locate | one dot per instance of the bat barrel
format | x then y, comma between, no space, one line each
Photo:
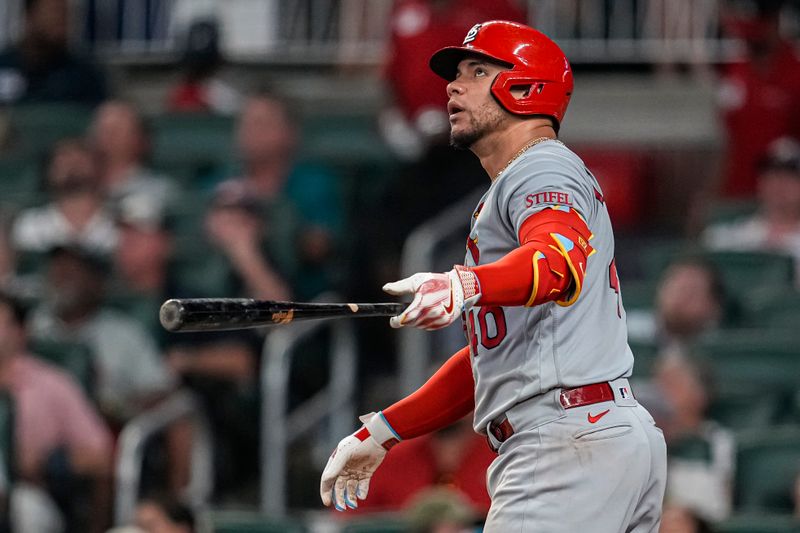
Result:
216,314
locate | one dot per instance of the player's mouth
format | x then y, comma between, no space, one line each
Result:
453,109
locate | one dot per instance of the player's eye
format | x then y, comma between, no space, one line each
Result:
479,71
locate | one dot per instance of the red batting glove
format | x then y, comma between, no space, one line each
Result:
438,300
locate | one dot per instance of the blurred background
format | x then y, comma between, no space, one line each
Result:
297,149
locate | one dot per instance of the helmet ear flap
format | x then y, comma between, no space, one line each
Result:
538,94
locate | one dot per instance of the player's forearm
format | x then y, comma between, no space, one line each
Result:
513,279
549,265
445,398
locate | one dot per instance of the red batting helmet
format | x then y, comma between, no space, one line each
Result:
535,61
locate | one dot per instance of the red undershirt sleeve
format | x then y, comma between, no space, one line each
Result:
445,398
549,265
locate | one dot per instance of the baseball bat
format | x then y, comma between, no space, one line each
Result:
219,314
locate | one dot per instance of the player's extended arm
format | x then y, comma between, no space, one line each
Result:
445,398
549,265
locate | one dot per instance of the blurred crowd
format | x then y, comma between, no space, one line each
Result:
97,236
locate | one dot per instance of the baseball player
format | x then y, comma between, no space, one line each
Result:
547,358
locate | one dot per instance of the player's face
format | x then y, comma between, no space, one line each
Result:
473,111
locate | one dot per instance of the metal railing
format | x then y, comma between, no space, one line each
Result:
356,31
334,405
420,254
131,447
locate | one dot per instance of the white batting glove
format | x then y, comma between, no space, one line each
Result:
438,300
346,477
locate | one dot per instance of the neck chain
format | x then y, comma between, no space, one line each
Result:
522,150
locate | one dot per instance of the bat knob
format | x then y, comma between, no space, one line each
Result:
171,315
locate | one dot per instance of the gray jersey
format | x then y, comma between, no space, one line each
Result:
521,352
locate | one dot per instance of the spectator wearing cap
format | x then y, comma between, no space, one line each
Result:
130,372
59,437
201,89
131,375
217,366
776,224
76,213
41,68
120,138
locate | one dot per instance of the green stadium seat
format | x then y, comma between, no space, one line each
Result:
744,409
6,451
750,270
19,182
252,522
388,524
742,272
36,127
752,358
723,211
639,294
7,433
345,139
758,523
644,357
193,142
776,308
75,358
767,464
656,256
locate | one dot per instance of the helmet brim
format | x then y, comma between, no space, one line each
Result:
444,62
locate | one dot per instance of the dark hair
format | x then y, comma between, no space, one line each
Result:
18,310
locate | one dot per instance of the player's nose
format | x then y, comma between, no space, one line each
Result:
454,88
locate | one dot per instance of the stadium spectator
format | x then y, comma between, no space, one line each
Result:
130,372
690,302
776,224
302,202
454,457
700,452
60,439
219,367
164,515
40,67
120,138
200,89
259,252
76,213
759,96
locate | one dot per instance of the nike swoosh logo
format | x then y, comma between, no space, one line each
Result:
449,307
598,416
